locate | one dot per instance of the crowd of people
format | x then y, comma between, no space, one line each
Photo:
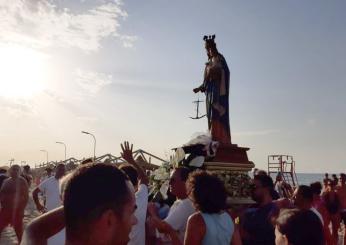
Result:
101,203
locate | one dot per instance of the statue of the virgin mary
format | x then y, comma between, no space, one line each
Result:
216,88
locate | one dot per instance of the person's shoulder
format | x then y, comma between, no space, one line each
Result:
21,179
142,194
313,214
341,188
142,188
47,181
196,219
3,177
186,203
51,178
7,181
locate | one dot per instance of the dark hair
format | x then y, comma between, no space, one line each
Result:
261,172
183,172
90,191
274,194
316,188
266,181
131,172
3,171
306,192
301,227
208,192
86,161
26,168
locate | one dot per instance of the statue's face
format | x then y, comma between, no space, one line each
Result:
211,52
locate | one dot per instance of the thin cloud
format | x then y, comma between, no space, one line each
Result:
17,107
92,82
128,41
40,24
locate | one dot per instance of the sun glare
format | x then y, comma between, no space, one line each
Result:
21,72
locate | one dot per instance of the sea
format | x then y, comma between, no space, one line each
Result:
305,178
308,178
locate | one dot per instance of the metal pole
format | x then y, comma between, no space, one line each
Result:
84,132
62,143
46,154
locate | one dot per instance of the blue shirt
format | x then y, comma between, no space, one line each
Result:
219,229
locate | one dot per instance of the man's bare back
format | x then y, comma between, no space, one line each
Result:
14,193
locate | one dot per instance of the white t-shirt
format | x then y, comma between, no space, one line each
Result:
137,235
178,215
50,189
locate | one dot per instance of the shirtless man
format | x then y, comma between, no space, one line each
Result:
14,195
341,192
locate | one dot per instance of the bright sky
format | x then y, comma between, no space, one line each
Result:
125,70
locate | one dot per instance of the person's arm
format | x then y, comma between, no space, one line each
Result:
25,192
158,223
173,235
236,240
39,206
195,230
43,227
30,178
3,190
127,155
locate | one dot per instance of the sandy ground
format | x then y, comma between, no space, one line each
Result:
8,237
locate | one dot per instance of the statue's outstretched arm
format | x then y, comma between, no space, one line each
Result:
199,89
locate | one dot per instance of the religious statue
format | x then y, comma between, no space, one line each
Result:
216,88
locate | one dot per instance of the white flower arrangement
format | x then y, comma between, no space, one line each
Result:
159,180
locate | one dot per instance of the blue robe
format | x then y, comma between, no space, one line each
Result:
216,88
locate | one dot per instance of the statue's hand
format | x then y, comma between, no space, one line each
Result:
196,90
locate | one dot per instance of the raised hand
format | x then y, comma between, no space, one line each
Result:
127,152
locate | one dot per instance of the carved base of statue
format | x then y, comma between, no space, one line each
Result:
229,161
231,153
232,165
